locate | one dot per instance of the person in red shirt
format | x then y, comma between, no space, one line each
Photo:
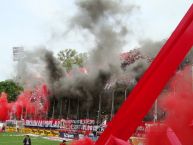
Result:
63,142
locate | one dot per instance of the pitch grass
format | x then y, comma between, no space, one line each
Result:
17,139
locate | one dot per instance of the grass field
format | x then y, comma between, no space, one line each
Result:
17,139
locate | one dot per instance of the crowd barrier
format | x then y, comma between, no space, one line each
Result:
36,131
56,133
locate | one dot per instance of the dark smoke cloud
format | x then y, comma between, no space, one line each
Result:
92,12
37,67
55,72
102,20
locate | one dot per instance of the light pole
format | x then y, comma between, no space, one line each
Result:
53,109
99,109
155,111
78,108
61,104
126,93
68,113
112,104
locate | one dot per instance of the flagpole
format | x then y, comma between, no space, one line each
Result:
99,111
112,105
155,111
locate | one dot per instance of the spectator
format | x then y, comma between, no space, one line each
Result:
27,140
63,142
3,128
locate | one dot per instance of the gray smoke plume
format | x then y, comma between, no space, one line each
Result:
138,60
30,69
55,72
151,48
102,20
37,67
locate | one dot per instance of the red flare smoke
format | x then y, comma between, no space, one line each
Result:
4,107
32,104
178,103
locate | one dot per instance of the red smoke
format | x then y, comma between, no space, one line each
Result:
4,107
178,104
29,104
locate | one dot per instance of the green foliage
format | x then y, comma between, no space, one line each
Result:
11,88
70,57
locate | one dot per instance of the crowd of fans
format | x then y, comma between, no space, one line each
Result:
132,56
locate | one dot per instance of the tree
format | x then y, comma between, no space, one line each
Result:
11,88
70,57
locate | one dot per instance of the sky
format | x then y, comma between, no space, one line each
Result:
33,23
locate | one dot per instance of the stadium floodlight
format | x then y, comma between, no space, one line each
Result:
18,53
